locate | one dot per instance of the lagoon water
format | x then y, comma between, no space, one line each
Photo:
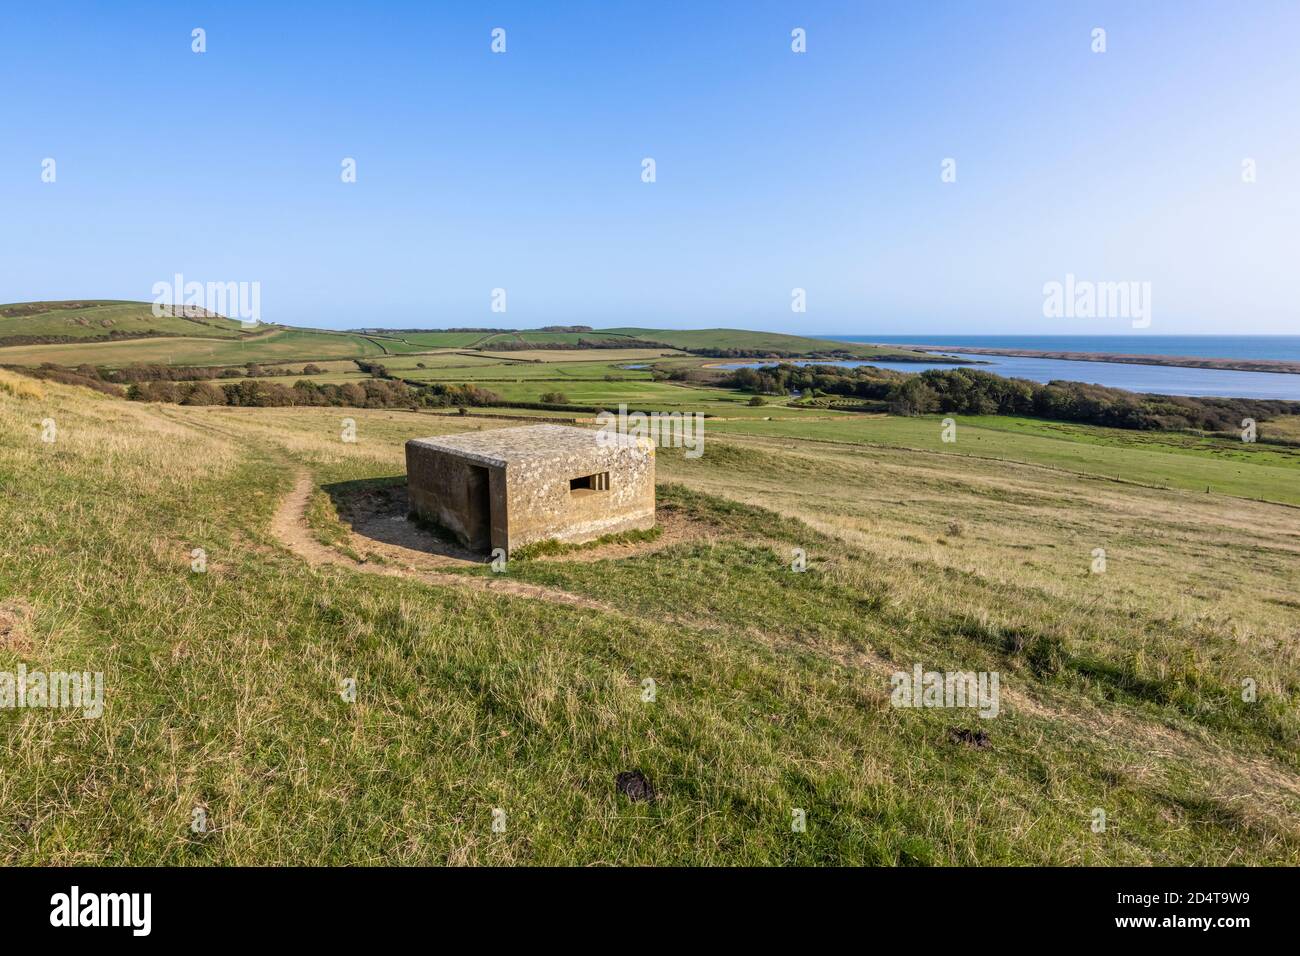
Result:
1279,347
1161,379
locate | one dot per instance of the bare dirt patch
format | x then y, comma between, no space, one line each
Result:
377,520
15,619
290,527
376,517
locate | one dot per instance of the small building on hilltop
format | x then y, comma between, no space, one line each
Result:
508,487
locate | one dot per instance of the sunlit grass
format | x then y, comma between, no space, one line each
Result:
1121,690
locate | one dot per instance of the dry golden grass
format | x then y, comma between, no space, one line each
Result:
19,386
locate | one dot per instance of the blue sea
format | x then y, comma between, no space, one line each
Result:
1161,379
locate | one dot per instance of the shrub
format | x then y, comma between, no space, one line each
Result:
204,393
913,397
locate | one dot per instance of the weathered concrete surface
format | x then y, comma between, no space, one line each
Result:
508,487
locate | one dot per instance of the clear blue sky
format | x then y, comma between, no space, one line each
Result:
775,170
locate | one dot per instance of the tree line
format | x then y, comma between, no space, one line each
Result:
369,393
142,372
969,391
191,386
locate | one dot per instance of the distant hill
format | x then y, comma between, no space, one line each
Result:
109,332
698,340
777,343
32,323
112,332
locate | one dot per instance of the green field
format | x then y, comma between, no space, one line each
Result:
543,339
522,691
1119,690
276,345
563,356
440,340
101,317
1194,464
444,358
742,339
218,341
461,368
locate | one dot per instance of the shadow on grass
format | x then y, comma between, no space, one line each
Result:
379,510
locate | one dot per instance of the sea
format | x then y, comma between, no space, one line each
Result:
1161,379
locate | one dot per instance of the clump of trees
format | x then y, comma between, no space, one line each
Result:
555,398
975,392
862,382
115,335
142,372
970,391
191,386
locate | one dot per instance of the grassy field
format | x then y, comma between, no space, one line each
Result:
583,355
603,384
1120,690
440,340
444,358
98,317
1286,427
275,345
1153,458
218,341
448,365
553,338
743,339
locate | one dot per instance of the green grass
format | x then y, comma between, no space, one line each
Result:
542,339
177,341
436,364
1121,690
588,392
405,343
552,547
1162,459
274,345
92,318
743,339
771,686
599,384
277,343
459,368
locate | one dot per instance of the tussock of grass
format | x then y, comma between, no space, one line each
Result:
552,548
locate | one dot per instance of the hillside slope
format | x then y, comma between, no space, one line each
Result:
101,319
1121,690
110,333
114,333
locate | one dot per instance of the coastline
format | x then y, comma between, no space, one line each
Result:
1179,361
